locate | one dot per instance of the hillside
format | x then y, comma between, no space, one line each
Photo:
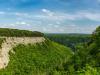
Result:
7,43
24,55
69,40
86,59
28,55
6,32
45,58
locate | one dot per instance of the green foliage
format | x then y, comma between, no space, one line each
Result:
69,40
50,58
1,41
96,38
96,35
19,33
94,47
85,60
46,58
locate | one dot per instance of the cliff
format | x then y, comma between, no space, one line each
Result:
10,42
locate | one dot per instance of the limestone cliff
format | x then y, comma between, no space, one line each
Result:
11,42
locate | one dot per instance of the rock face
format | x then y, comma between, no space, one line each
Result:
11,42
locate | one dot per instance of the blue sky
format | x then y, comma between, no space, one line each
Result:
51,16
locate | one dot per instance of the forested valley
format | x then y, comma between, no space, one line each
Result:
59,54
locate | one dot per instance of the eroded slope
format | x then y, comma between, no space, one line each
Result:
11,42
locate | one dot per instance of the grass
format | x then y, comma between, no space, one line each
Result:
46,58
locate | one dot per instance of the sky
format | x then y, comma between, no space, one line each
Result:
51,16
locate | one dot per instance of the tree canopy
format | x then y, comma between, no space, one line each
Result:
19,33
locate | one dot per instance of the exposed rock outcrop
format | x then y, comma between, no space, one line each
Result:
11,42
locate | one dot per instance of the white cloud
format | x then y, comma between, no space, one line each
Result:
94,16
50,24
55,21
56,16
23,23
89,15
50,15
47,12
56,26
73,25
13,25
72,28
1,12
58,23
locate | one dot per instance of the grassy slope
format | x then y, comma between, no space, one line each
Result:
41,59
